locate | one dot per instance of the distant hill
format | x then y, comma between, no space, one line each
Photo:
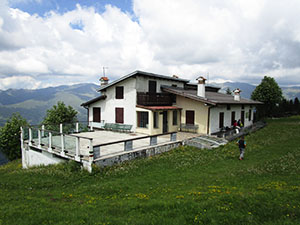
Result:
247,89
33,104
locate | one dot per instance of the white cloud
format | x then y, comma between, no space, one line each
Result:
25,82
234,40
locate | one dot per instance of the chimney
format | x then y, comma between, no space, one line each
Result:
201,87
237,96
104,81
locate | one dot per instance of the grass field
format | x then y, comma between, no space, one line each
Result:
184,186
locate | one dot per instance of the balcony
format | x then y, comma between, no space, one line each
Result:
154,99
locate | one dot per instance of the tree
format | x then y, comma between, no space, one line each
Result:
10,136
296,105
228,91
270,94
58,114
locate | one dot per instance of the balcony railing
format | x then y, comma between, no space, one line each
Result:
154,99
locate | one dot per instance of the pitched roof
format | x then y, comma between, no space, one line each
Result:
212,98
142,73
93,100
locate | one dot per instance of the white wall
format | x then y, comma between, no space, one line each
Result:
33,158
142,83
110,103
215,111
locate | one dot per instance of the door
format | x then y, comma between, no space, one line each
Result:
221,120
119,115
243,117
190,117
165,121
96,114
232,118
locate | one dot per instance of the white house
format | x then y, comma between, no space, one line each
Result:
155,104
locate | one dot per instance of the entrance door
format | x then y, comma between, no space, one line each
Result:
221,120
243,117
165,121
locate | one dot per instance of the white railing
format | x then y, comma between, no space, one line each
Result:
65,145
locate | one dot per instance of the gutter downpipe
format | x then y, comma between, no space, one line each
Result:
208,119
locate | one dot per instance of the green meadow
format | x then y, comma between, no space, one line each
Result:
184,186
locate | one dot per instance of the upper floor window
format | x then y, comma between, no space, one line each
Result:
228,107
119,92
152,87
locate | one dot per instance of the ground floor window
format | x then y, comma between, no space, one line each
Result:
96,114
155,119
143,119
174,117
190,117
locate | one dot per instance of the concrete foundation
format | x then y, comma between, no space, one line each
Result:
34,157
140,153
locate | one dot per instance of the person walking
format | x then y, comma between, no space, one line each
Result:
242,145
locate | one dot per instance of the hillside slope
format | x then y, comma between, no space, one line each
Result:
183,186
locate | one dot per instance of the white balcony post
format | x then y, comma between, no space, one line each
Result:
91,151
50,142
60,128
30,136
62,153
40,139
43,130
22,137
77,153
77,127
92,128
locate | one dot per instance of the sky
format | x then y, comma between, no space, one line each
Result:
57,42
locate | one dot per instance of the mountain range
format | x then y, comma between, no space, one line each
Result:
33,104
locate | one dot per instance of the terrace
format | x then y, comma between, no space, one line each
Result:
83,144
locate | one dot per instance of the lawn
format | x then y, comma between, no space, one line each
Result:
183,186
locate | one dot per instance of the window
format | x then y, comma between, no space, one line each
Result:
250,114
190,117
152,87
142,119
155,119
228,107
175,117
119,92
232,117
221,120
119,116
173,97
243,106
96,115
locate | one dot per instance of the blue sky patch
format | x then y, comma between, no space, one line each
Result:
63,6
77,25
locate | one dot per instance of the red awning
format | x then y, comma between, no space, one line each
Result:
158,107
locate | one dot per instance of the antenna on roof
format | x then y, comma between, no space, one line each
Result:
207,77
104,68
